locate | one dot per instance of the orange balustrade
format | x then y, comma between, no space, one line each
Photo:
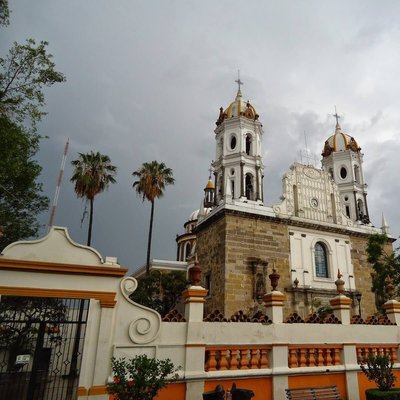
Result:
220,358
314,356
365,350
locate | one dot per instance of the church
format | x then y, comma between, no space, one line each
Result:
319,230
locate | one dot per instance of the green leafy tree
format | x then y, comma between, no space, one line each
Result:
4,13
23,73
160,291
21,198
140,378
386,266
152,179
93,173
378,368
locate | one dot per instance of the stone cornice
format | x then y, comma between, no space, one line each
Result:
282,221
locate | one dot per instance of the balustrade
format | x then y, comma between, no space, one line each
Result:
220,358
314,356
364,351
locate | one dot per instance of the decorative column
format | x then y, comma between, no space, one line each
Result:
194,298
241,179
341,304
258,182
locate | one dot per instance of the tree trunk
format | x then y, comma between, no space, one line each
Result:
149,239
89,239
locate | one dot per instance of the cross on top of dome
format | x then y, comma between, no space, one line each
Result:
239,82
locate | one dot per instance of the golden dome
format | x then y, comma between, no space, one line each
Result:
210,184
339,141
237,108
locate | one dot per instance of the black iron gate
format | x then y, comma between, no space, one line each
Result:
41,345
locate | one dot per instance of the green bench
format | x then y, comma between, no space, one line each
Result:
313,393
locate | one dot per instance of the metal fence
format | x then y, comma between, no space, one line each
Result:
41,345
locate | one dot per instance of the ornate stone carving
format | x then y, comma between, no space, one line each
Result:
311,172
145,327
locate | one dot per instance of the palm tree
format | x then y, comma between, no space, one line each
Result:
152,179
92,175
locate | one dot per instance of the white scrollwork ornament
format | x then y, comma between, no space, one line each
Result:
145,327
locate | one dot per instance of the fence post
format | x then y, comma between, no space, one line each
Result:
392,308
341,308
274,306
194,298
279,354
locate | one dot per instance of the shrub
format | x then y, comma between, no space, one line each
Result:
379,370
376,394
140,378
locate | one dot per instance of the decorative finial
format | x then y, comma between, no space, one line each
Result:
195,273
239,82
339,283
274,277
337,116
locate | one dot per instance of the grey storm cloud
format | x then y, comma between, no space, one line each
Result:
145,80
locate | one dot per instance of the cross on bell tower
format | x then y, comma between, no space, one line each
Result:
239,82
337,116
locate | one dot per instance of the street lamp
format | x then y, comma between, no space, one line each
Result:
358,297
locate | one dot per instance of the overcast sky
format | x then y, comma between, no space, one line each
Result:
145,80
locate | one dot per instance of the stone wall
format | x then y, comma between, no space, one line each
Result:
211,253
246,243
237,248
362,274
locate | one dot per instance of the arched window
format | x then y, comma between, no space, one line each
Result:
181,252
188,249
360,206
233,142
321,261
248,145
249,187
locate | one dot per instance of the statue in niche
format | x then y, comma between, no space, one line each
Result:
260,286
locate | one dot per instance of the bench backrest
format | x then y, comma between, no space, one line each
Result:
313,393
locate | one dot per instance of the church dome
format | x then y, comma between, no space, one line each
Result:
339,141
238,107
194,216
210,184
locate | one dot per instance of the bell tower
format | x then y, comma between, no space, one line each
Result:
238,167
343,159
